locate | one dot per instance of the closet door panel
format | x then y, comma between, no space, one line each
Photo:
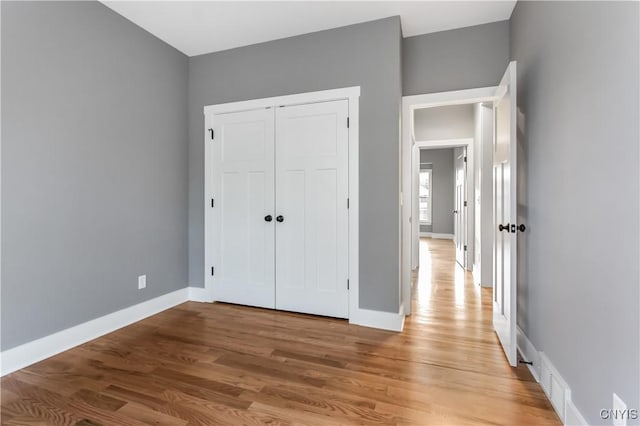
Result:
311,197
243,190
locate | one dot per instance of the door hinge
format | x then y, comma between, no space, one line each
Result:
347,203
465,204
212,133
465,248
347,122
347,283
213,202
465,158
213,270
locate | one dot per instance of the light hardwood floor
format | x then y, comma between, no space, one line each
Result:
205,364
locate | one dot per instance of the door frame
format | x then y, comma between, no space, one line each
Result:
409,105
352,95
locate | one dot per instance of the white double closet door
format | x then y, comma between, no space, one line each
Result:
280,209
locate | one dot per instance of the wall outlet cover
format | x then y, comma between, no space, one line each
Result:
142,282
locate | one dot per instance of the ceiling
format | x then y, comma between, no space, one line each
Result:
197,27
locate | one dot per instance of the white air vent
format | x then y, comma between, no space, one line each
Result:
554,386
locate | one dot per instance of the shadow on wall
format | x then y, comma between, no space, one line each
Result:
523,215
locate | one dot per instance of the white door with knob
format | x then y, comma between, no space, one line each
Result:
242,203
311,208
460,208
280,222
505,215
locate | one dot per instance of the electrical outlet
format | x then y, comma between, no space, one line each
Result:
620,412
142,282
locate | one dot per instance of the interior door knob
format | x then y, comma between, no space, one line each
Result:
268,218
502,227
455,212
280,218
522,228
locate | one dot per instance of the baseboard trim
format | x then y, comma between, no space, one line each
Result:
554,386
437,236
528,353
37,350
573,416
378,319
40,349
199,294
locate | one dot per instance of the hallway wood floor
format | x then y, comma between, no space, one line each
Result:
206,364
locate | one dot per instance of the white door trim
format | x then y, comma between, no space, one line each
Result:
352,94
295,99
409,104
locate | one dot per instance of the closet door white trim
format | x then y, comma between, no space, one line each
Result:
312,188
242,201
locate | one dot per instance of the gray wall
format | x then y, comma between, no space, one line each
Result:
457,59
365,55
94,166
447,122
443,189
578,287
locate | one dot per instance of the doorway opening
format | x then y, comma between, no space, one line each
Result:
495,142
444,143
429,122
447,196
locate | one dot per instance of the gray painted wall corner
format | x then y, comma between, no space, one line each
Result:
102,198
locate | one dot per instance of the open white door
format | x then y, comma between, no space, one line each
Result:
505,215
460,206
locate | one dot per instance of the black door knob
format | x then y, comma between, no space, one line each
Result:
522,228
268,218
280,218
502,227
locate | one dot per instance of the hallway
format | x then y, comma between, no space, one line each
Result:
215,363
452,317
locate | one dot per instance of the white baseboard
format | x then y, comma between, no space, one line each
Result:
437,236
37,350
29,353
378,319
528,353
572,416
554,386
199,294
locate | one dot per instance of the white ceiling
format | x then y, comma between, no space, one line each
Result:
197,27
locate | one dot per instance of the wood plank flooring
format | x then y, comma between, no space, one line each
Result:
219,364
